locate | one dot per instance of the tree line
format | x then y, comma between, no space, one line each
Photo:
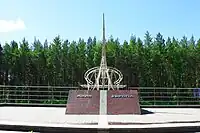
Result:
156,62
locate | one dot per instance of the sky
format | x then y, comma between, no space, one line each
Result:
72,19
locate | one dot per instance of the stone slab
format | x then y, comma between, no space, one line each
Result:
123,102
83,102
94,102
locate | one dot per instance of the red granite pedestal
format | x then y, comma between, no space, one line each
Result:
123,102
88,102
83,102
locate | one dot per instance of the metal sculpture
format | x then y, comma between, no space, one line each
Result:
103,77
104,102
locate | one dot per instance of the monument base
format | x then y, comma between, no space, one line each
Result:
123,102
83,102
88,102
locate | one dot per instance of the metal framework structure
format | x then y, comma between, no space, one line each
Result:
103,77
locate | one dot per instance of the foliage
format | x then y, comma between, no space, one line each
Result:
155,61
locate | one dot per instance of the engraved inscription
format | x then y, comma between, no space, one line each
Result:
122,96
84,96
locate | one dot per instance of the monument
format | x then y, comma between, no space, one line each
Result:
103,94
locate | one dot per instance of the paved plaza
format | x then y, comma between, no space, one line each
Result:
56,116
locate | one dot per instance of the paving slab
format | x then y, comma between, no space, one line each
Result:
159,116
43,115
55,117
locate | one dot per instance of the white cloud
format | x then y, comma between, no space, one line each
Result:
11,25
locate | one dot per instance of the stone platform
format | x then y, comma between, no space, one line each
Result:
111,102
54,119
83,102
123,102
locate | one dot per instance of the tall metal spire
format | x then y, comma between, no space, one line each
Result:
103,71
104,39
103,76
